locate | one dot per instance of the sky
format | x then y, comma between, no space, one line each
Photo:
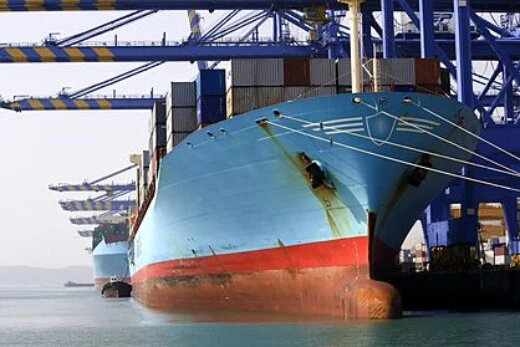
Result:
42,148
49,147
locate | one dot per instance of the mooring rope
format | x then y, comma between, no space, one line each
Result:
413,149
400,161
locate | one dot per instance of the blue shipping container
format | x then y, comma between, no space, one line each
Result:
211,109
404,88
514,247
211,82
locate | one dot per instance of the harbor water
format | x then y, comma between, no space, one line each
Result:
80,317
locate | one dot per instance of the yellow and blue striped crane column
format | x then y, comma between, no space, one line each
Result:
196,33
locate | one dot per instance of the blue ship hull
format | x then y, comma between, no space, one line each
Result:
110,260
242,187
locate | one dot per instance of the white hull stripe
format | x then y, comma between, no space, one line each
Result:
414,119
341,126
410,130
415,126
344,131
317,124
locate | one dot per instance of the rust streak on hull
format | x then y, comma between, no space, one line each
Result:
338,291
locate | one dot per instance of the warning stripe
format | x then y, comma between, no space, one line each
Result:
16,54
103,54
70,5
34,5
74,54
104,104
58,104
35,104
45,54
105,5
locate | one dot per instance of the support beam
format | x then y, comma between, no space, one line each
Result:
156,51
490,82
511,218
132,5
387,12
508,98
500,96
440,52
463,52
366,18
426,29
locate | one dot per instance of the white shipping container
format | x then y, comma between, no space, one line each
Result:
489,257
502,260
295,93
344,72
145,159
143,180
255,72
181,94
395,71
142,194
244,99
345,75
174,139
181,119
150,176
323,72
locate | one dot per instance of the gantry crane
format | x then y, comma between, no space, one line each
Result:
490,41
115,212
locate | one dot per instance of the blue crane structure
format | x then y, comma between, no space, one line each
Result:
475,38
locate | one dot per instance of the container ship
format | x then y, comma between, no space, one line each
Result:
110,253
292,194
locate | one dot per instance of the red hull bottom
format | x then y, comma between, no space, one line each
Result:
336,291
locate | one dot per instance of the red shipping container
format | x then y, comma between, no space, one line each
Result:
297,72
501,250
427,71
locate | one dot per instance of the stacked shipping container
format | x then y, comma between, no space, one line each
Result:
142,177
256,83
157,141
211,97
253,83
181,113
